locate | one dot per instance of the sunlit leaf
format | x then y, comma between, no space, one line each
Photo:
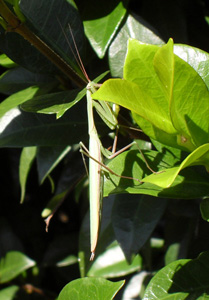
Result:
166,177
112,263
182,279
92,288
100,30
13,264
8,293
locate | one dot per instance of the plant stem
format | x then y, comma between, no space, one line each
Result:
15,25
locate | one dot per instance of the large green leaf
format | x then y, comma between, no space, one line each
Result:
134,217
101,21
182,279
90,288
189,184
13,264
160,92
8,293
197,58
134,27
22,129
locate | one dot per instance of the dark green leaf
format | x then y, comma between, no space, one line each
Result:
90,288
54,103
204,208
22,129
48,158
19,78
134,217
42,17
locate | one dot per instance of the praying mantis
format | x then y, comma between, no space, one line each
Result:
96,150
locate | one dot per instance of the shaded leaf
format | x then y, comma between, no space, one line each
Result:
204,208
54,103
53,204
19,78
27,157
42,17
22,129
92,288
134,218
48,158
13,264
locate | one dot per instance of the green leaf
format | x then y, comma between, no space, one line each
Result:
6,62
9,292
148,74
16,99
54,103
13,264
58,102
90,288
189,184
48,158
42,17
204,208
134,27
166,177
197,58
22,129
112,263
27,157
19,78
178,280
134,217
53,204
101,21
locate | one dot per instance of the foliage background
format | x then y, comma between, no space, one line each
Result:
21,226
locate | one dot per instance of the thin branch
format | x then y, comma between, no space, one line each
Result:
15,25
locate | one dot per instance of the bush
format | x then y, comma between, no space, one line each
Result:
149,237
